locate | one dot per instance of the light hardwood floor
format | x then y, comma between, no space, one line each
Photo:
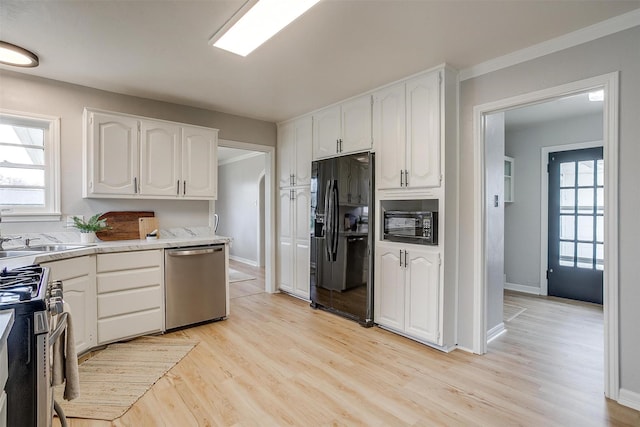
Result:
276,362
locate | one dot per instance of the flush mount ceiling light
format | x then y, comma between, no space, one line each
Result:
11,54
256,22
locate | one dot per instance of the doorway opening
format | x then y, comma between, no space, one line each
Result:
246,211
483,296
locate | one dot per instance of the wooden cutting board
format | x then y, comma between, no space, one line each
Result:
147,225
124,225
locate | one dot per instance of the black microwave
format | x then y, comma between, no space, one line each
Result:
411,227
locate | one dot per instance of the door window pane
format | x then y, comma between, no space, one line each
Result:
566,254
600,228
567,201
585,200
568,174
585,227
600,171
567,225
600,200
599,256
585,255
586,173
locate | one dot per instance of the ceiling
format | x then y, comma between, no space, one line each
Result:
159,49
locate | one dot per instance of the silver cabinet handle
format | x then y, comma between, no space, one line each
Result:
337,145
401,178
406,253
177,187
406,178
135,185
400,257
341,145
184,187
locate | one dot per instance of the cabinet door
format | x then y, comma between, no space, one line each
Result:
159,159
286,154
302,215
304,143
114,154
388,296
285,241
389,135
199,163
356,125
423,131
79,284
326,132
422,299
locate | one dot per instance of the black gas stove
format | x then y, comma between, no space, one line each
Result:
23,284
37,304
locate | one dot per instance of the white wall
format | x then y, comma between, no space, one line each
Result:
22,92
617,52
238,205
522,217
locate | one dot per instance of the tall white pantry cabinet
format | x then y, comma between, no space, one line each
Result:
415,138
294,206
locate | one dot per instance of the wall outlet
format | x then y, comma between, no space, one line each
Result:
70,219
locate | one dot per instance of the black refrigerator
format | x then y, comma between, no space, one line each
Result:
342,208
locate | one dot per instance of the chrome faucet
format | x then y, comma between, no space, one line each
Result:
6,239
27,241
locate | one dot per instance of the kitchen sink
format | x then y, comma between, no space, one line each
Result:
10,253
57,247
29,250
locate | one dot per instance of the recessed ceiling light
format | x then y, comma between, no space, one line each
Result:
598,95
257,22
11,54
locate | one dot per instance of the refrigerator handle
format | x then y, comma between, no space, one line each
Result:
335,226
328,214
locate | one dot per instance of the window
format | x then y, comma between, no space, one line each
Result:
29,167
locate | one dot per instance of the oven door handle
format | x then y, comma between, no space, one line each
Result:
61,326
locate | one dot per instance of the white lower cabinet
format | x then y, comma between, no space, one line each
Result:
408,291
294,241
129,294
79,291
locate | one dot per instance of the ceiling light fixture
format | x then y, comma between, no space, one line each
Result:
11,54
598,95
256,22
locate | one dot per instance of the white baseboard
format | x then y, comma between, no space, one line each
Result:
244,260
522,288
495,332
629,398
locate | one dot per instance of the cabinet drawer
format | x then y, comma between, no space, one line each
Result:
129,325
123,280
69,268
130,301
128,260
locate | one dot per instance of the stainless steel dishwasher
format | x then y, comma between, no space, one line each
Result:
195,285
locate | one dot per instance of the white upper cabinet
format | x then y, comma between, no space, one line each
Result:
199,162
423,131
111,151
294,152
389,135
342,129
160,168
406,129
128,156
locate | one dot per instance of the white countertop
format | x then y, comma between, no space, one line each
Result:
112,246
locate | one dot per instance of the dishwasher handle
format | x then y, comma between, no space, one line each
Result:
189,252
